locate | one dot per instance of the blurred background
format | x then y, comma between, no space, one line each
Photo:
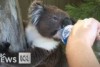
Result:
78,9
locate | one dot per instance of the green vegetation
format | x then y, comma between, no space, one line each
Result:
88,8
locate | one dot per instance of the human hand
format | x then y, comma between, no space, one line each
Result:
85,31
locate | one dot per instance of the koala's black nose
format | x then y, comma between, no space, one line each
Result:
65,22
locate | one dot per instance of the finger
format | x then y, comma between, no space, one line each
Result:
87,22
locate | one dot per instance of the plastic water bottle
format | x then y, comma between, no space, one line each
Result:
65,33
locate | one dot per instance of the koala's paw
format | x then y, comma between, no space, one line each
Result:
4,46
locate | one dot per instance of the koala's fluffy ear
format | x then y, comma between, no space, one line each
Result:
35,11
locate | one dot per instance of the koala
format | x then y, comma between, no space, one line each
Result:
43,25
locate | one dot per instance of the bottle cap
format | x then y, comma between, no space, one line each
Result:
65,33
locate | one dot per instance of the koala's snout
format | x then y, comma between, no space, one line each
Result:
65,23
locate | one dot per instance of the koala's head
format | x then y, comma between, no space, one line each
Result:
47,19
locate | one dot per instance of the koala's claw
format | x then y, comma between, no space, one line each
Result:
4,46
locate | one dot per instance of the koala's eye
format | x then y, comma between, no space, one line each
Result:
66,22
55,18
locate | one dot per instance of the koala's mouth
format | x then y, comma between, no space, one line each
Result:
54,32
62,33
57,35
